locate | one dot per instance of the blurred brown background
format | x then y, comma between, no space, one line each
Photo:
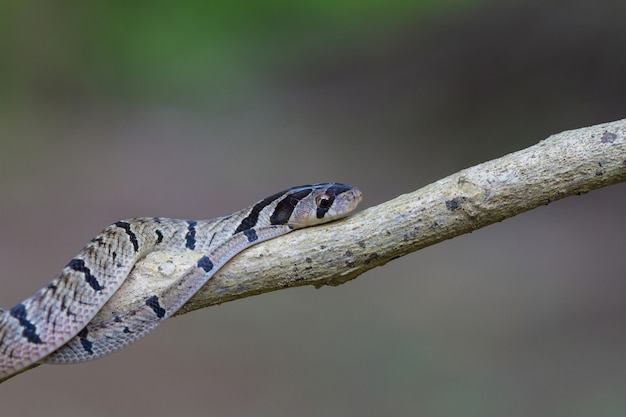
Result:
112,110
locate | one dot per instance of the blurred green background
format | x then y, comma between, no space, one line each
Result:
112,110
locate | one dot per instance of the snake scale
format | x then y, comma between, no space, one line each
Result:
53,325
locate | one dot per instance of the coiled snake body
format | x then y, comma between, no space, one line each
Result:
53,325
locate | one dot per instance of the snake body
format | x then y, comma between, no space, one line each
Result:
53,325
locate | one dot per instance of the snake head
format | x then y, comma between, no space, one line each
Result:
319,203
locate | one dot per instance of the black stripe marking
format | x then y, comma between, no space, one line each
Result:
86,344
190,238
68,312
332,192
285,207
205,263
159,237
251,235
253,217
153,303
30,330
78,265
130,233
49,315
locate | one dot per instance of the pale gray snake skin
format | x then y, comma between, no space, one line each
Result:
53,325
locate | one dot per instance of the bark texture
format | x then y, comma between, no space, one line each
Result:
565,164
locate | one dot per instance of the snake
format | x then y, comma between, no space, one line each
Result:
54,326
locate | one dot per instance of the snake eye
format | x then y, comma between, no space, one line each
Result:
324,201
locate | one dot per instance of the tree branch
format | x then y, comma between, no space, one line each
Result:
565,164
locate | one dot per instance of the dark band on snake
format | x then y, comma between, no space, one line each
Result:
132,236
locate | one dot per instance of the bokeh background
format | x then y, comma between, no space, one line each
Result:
117,109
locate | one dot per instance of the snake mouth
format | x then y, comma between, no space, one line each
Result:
357,196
